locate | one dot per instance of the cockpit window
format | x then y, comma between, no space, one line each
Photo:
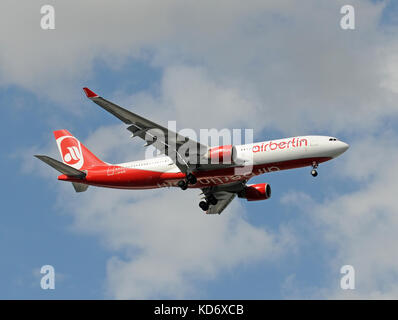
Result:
332,139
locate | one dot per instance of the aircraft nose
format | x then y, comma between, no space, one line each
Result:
343,147
339,147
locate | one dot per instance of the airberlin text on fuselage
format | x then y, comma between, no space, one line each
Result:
270,146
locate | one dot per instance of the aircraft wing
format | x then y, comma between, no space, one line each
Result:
224,199
166,141
224,195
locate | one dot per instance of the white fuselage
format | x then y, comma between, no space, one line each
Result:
261,153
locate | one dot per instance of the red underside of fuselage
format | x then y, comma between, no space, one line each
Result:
128,178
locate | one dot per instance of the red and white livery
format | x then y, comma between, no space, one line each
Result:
220,172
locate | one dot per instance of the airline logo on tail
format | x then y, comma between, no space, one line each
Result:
71,151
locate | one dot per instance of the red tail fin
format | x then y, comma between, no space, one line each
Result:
74,153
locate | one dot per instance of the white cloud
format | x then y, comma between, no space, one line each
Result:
113,145
360,225
109,32
191,97
182,245
287,66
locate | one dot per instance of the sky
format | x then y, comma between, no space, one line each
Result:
280,67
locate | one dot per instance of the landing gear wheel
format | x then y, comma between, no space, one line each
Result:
204,205
212,200
191,178
182,184
314,173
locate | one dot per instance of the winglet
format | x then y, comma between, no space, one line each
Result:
90,94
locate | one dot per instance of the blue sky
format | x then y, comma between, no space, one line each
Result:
283,68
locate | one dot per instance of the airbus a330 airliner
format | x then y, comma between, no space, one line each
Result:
212,169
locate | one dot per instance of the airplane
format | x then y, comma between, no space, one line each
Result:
212,169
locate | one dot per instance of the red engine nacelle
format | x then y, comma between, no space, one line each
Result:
255,192
222,154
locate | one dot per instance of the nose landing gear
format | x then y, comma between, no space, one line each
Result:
314,173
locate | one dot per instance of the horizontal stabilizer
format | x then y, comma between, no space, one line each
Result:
62,167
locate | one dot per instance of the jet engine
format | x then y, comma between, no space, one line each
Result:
255,192
222,155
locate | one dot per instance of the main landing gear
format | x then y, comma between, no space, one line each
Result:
191,179
314,173
204,205
210,200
